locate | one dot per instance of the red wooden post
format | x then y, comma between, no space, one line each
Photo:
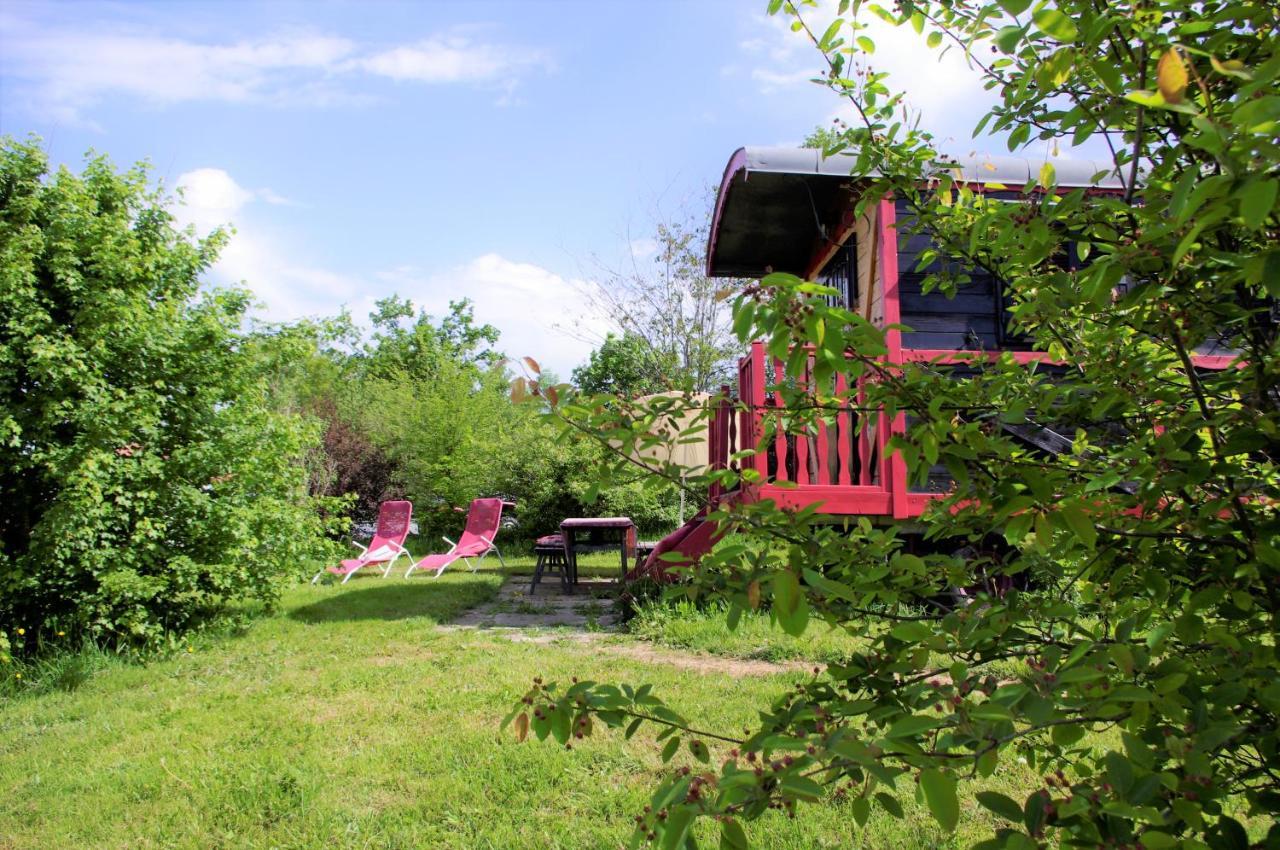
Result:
715,448
844,439
753,426
896,479
780,435
804,390
866,439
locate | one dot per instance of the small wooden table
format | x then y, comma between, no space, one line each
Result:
596,530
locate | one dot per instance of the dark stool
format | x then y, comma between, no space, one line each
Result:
644,549
550,552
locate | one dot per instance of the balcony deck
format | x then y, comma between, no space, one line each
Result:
833,458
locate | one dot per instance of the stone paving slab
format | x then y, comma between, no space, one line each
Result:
591,606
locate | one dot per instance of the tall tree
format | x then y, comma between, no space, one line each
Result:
426,345
666,300
626,365
1138,668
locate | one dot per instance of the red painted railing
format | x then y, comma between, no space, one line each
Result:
832,453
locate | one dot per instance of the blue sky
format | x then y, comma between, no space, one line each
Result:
498,151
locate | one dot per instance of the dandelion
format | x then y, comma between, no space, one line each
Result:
17,675
22,631
189,649
62,634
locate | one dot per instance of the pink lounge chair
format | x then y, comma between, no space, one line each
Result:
483,521
386,546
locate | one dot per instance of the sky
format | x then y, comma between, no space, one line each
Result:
498,151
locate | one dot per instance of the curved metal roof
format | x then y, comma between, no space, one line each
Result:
773,203
979,168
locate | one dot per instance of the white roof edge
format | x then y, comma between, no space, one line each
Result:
1013,171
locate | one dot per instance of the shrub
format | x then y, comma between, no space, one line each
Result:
147,481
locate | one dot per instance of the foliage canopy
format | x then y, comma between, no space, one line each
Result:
146,477
1145,560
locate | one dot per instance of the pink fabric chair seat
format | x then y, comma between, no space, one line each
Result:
484,519
387,544
436,563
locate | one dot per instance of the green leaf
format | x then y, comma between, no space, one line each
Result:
1005,807
1155,100
676,827
912,725
1048,176
561,723
1067,734
934,39
790,605
801,786
1019,136
668,751
1080,524
1008,37
889,804
1257,201
1055,24
828,37
940,796
699,751
828,587
732,835
867,45
1033,812
990,711
911,631
1014,7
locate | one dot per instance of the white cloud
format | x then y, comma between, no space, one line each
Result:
63,71
450,59
771,81
643,248
288,289
539,313
940,86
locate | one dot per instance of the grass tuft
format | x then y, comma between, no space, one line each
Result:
704,628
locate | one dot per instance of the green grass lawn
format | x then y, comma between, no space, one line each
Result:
683,625
351,719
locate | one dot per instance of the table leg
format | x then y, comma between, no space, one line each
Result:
623,580
570,557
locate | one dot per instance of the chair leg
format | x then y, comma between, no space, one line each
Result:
348,576
498,552
537,574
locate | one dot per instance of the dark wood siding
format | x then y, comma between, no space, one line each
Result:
973,318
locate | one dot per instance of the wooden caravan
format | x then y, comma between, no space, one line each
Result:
792,210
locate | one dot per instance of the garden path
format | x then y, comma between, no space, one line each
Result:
590,616
590,609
